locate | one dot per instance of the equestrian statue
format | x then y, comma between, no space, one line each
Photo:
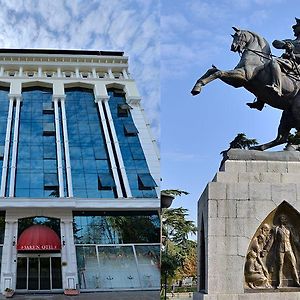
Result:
273,80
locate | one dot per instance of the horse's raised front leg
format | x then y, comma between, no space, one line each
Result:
199,83
283,132
234,77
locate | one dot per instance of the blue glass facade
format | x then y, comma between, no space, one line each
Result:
88,154
131,149
4,104
36,174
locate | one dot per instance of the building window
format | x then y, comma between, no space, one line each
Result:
50,181
1,152
132,152
36,146
48,108
130,130
91,169
48,129
146,182
49,152
123,110
117,250
105,181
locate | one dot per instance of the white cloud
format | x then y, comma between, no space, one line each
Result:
131,26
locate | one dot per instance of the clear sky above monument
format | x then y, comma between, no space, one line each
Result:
195,35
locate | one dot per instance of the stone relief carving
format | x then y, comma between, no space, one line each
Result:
272,259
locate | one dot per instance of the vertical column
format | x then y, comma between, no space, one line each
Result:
94,72
77,72
109,147
7,145
21,71
1,71
8,271
66,147
15,147
125,75
40,74
58,72
117,147
58,148
110,74
69,254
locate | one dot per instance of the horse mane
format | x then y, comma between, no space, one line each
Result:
262,42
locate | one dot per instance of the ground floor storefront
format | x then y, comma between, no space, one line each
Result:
53,250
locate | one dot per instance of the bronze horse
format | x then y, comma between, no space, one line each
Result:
253,73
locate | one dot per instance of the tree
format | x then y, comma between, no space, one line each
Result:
240,142
177,247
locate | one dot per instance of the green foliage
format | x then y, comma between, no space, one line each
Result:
294,138
177,246
175,225
241,142
148,229
174,193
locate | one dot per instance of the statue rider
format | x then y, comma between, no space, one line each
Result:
288,63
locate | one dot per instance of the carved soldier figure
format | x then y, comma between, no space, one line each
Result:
283,242
289,61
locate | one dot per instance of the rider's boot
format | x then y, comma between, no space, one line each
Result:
256,105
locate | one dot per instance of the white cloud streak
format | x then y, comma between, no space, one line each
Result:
131,26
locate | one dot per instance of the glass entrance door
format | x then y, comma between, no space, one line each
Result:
39,272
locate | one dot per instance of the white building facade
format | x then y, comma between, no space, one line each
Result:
79,206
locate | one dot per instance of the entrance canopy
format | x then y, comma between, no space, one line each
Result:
38,238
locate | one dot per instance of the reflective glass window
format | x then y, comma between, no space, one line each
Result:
4,104
131,149
91,170
37,147
125,267
116,227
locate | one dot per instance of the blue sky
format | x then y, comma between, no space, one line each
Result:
195,35
170,44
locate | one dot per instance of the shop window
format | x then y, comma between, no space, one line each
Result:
50,181
48,108
123,110
130,130
48,129
105,182
146,182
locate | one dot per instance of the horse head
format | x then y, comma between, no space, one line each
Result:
240,40
244,39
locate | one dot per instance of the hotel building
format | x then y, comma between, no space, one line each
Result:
79,206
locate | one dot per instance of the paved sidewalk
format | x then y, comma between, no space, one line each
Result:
134,295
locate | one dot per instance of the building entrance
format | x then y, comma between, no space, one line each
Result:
39,272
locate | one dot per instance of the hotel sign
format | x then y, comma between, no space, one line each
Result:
38,247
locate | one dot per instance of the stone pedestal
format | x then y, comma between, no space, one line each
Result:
249,189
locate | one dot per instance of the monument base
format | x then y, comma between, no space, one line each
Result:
276,295
252,190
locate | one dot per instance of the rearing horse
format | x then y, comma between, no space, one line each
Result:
254,74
